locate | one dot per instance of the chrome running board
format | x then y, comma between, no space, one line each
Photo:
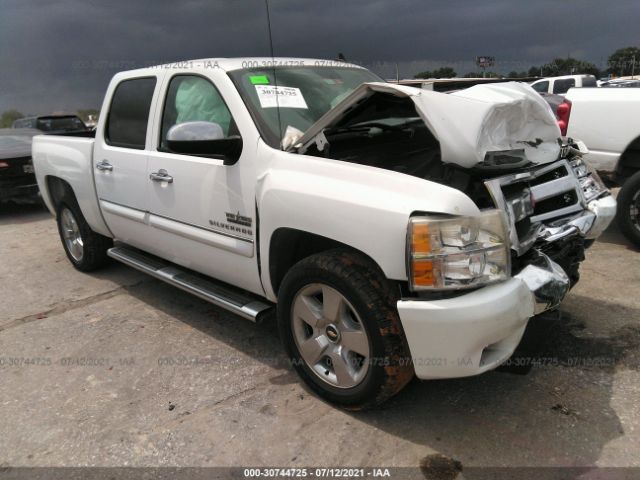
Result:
236,301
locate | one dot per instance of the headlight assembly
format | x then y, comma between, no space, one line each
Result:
458,252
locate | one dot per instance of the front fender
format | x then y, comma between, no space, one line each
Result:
364,207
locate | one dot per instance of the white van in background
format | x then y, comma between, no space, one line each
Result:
561,85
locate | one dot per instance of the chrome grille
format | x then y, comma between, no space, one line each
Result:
530,199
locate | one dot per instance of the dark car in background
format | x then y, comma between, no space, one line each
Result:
53,124
17,179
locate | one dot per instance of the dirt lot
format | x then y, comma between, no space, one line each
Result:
115,368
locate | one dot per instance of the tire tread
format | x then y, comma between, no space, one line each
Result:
625,197
380,298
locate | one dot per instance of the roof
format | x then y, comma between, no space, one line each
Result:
239,63
562,77
50,115
450,84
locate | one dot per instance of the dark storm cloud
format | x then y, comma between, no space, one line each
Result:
60,54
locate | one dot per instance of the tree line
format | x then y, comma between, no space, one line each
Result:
622,62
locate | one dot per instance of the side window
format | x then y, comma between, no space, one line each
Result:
541,87
563,86
192,98
129,113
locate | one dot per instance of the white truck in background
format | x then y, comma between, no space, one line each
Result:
396,231
607,120
561,85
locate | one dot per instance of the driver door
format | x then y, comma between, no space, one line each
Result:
202,212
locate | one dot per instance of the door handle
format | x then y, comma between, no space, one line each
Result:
161,176
104,166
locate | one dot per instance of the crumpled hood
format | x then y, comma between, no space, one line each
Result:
469,123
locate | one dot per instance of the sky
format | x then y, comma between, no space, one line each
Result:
59,55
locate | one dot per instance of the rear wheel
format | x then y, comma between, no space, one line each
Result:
339,325
86,249
628,213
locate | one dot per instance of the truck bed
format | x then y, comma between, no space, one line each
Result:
606,120
69,157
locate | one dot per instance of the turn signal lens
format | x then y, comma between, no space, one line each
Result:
420,240
423,273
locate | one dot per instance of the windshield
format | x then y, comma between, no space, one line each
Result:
304,95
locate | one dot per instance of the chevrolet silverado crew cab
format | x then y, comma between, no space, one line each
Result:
395,231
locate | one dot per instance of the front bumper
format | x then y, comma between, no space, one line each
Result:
477,331
472,333
589,223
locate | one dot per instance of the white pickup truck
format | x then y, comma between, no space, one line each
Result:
396,231
607,120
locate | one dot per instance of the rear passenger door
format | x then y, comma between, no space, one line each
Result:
120,159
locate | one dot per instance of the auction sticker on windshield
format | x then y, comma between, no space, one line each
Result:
285,97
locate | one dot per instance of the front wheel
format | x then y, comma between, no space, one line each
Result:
86,249
628,213
339,325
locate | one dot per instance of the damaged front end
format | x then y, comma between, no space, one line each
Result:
554,213
500,145
554,210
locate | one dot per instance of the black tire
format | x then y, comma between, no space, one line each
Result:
629,196
372,296
94,245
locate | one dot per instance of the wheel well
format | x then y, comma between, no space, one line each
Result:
629,161
288,246
58,189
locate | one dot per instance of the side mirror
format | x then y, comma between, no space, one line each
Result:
204,139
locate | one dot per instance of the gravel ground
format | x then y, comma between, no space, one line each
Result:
117,369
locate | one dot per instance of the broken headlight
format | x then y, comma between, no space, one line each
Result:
458,252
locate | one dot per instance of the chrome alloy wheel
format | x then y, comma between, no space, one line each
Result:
71,234
330,336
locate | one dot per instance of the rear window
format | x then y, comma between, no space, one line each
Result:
23,123
60,124
563,86
589,82
541,86
129,113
